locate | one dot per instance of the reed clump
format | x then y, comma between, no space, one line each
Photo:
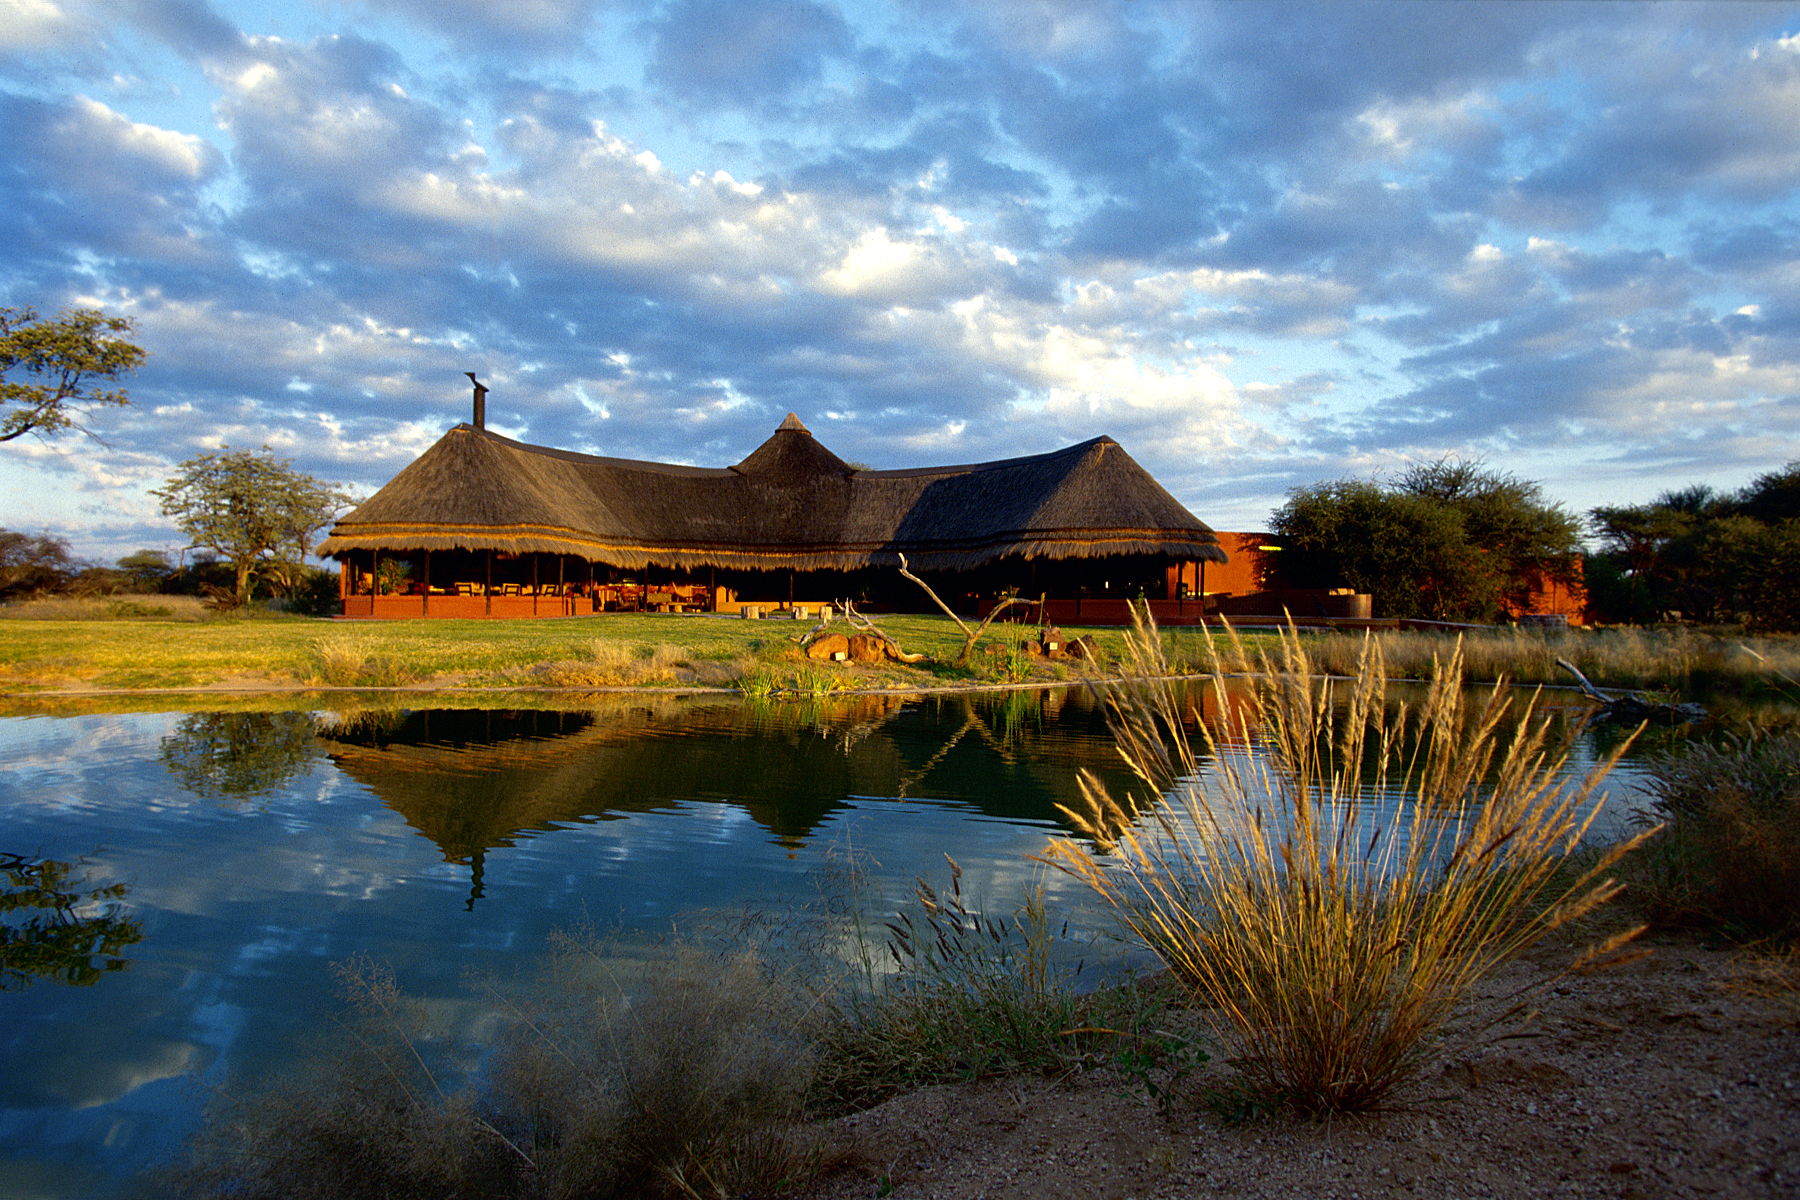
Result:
1332,942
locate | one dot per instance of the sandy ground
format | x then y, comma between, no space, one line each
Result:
1676,1075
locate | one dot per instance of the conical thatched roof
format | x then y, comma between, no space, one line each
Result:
791,503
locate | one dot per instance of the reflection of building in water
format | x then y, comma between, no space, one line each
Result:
473,781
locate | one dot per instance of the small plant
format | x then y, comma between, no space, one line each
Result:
346,662
678,1076
1728,853
1331,946
971,995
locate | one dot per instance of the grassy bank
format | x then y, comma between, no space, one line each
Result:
136,652
1327,974
156,642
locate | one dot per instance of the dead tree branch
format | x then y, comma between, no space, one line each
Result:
970,637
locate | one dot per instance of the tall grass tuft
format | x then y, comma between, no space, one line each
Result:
678,1076
687,1082
1728,854
974,994
1333,943
347,662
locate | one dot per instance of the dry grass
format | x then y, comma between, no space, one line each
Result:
106,608
1691,662
1728,853
972,994
679,1076
1333,944
346,660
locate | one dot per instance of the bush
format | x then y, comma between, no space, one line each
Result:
315,595
683,1073
1728,853
973,995
346,662
1331,944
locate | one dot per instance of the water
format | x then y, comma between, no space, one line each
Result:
257,849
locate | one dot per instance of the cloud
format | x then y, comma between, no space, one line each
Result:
743,55
537,27
1252,242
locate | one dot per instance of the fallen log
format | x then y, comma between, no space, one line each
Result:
1631,709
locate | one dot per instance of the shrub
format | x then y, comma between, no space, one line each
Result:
315,594
1332,944
366,1117
1728,854
974,995
682,1074
346,662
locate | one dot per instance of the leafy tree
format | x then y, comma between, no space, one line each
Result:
1447,541
1696,554
62,359
1524,539
32,564
254,510
1773,497
147,569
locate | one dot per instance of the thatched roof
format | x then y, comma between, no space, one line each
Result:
791,503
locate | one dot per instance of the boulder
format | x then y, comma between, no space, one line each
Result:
867,649
828,645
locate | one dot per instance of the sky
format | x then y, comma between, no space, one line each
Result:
1261,245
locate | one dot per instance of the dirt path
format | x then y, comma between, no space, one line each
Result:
1664,1077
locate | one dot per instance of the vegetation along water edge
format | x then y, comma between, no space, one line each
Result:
1314,965
126,643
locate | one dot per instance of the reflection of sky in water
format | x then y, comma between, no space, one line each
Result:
367,842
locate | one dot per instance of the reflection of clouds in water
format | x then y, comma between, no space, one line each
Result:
77,1066
715,810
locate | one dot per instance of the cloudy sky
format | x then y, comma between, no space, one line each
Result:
1262,245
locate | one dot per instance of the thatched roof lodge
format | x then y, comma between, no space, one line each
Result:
480,522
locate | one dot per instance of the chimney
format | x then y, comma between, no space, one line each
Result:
480,421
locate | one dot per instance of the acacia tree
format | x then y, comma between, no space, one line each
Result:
31,563
252,509
1447,541
1695,554
61,359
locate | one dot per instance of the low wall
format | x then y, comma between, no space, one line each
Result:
1306,608
447,607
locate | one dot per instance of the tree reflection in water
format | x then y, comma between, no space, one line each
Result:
53,926
233,756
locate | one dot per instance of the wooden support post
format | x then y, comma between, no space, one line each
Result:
487,589
425,588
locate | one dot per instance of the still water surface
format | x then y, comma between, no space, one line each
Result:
259,848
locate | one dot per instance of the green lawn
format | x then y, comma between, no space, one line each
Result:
147,653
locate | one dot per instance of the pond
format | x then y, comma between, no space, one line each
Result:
222,862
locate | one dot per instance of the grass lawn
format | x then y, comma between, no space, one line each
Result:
82,646
602,650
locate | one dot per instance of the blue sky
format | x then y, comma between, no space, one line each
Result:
1262,245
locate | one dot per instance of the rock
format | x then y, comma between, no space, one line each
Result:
827,645
867,649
